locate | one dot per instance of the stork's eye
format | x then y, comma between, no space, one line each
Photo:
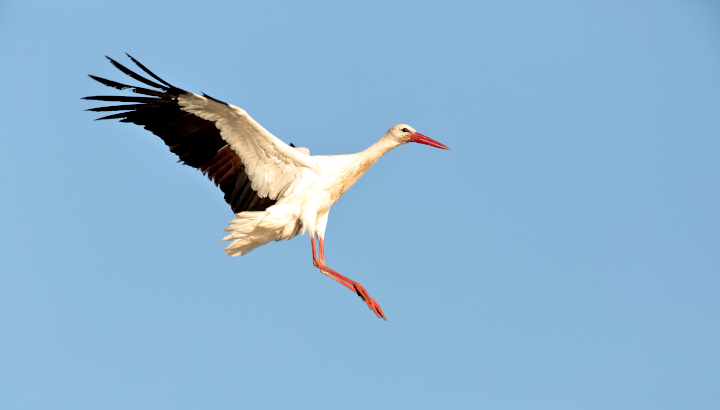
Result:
405,130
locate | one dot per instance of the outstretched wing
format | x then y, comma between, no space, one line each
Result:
252,167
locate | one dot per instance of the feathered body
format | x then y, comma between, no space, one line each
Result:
308,207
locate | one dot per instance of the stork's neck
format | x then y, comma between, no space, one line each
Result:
377,150
359,163
364,160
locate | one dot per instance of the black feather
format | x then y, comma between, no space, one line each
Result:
142,67
123,98
136,76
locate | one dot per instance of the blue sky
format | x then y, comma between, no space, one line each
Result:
565,254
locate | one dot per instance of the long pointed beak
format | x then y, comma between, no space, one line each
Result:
417,137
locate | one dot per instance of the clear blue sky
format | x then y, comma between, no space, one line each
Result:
565,254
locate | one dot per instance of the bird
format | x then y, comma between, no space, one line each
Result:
276,190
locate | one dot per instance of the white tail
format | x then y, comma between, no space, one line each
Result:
252,229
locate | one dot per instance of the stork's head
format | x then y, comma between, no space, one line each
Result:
404,133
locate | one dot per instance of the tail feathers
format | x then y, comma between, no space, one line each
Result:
252,229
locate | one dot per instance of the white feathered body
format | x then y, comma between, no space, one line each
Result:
308,205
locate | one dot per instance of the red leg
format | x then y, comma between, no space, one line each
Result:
322,248
348,283
320,263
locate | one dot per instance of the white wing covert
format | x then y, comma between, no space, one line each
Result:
274,168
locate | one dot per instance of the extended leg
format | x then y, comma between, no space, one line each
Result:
319,262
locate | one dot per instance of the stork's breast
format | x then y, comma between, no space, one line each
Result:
345,180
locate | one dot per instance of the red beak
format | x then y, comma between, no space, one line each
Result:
416,137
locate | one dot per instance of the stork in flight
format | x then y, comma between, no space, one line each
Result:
275,190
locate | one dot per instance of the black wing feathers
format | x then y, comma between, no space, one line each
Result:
195,141
138,77
150,73
119,86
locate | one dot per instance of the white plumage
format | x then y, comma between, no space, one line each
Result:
276,190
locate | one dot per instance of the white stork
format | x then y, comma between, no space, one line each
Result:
275,190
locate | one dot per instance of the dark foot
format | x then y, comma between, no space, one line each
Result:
374,306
